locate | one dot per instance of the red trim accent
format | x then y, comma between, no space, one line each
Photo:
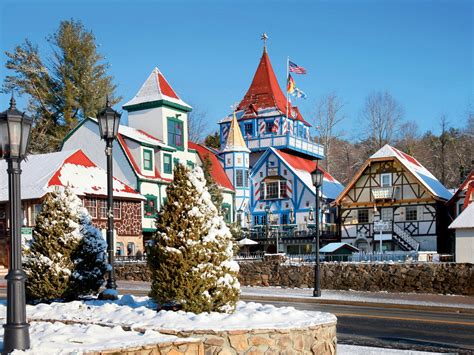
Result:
407,157
304,164
217,171
165,88
149,135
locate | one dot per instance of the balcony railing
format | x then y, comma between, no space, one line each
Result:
285,141
382,193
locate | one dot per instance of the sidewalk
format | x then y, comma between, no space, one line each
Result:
451,302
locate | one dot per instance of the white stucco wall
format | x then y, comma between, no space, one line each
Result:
465,245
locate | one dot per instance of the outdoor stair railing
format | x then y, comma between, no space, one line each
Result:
405,239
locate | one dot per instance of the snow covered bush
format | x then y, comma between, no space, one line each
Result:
65,257
190,256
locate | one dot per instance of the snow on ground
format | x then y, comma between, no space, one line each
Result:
139,313
58,338
450,301
365,350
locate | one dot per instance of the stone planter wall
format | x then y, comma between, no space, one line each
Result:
446,278
172,348
318,339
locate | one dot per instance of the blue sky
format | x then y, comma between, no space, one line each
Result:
420,51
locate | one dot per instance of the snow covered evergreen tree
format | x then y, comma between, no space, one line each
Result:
63,259
212,187
190,256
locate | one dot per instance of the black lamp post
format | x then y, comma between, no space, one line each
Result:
109,121
317,177
15,128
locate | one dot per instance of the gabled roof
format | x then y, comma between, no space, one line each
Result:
235,141
265,94
303,167
467,186
332,247
423,175
465,219
217,171
42,172
156,88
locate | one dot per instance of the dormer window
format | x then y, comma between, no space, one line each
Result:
147,155
248,129
175,133
268,127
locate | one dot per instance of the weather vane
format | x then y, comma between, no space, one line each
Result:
264,38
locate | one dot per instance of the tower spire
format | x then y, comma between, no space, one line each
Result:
264,38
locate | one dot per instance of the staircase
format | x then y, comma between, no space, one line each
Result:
404,239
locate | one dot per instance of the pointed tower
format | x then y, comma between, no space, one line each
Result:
159,111
236,165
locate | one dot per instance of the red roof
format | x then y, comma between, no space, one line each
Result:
304,164
217,171
166,88
468,186
265,92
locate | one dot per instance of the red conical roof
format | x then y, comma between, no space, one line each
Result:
265,92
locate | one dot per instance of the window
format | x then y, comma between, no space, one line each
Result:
283,189
175,162
268,126
91,206
262,191
167,166
102,209
248,129
190,164
256,220
119,249
411,213
150,206
227,212
247,179
239,178
148,159
271,190
35,210
363,216
175,133
387,214
117,210
385,180
284,218
130,248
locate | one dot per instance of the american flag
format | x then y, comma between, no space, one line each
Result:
295,68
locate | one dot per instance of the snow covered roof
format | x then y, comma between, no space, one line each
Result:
42,172
332,247
303,167
265,93
465,219
235,141
217,171
428,180
156,88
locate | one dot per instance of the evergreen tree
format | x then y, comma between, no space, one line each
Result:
213,140
63,86
190,255
212,187
66,257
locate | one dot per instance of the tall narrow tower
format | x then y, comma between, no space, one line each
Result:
236,165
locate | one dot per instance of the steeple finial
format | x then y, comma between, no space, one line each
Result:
264,38
12,102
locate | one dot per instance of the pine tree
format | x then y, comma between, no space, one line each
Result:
90,259
212,187
48,261
190,256
66,257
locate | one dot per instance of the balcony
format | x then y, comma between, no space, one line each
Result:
285,141
383,193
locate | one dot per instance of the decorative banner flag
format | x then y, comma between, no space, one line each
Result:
294,68
307,132
262,127
298,94
256,188
276,125
289,188
225,132
291,85
285,125
291,127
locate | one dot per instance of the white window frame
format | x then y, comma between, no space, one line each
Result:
389,179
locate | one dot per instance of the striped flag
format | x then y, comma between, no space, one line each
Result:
289,188
225,132
291,127
294,68
276,125
291,85
256,194
261,127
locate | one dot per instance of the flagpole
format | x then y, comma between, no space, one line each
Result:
287,79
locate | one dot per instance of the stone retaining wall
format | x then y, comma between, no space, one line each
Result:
445,278
171,348
318,339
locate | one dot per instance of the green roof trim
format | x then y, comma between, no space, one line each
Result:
155,104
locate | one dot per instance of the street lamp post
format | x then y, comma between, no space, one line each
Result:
109,121
15,128
317,177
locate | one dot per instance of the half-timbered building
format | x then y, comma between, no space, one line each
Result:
394,203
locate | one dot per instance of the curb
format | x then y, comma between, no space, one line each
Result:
434,308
